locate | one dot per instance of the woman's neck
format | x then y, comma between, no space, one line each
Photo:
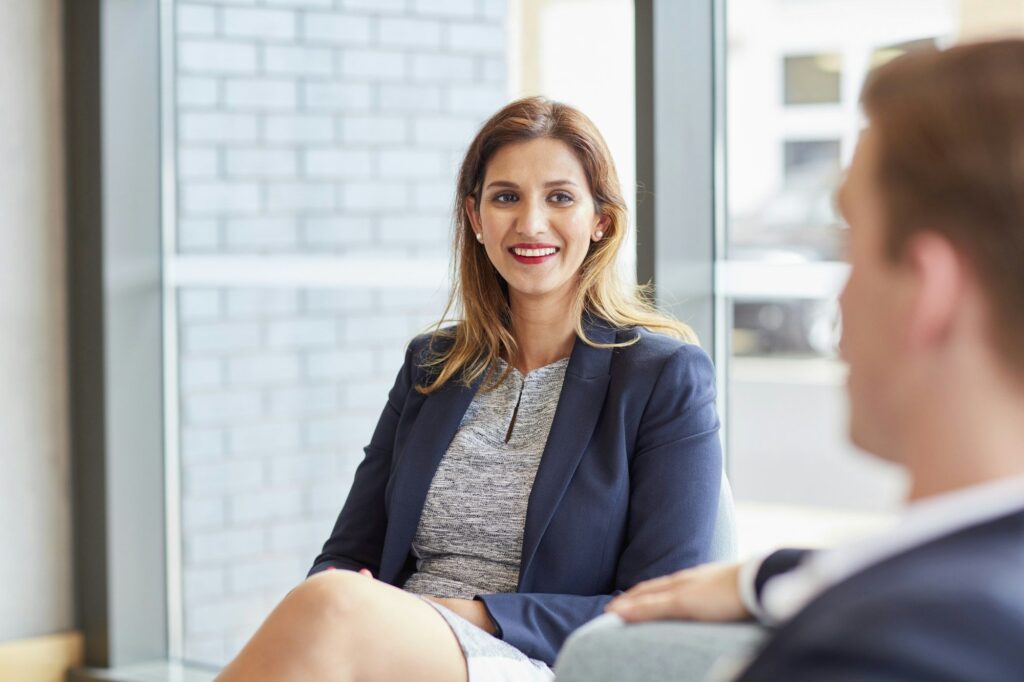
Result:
544,330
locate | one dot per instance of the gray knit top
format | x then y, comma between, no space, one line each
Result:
470,535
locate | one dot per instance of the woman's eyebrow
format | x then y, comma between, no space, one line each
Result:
502,183
512,185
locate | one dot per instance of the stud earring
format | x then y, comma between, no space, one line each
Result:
480,237
598,235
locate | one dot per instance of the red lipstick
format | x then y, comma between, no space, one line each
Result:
533,254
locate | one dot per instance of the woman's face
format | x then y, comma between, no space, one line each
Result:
536,217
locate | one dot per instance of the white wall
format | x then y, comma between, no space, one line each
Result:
35,490
307,128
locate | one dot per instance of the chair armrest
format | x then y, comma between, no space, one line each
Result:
607,650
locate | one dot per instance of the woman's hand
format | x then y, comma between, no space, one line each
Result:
470,609
710,593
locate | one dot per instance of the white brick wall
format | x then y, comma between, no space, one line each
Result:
338,163
442,68
410,33
304,126
288,60
197,91
337,28
335,97
259,23
301,196
217,127
260,162
298,128
261,234
196,20
446,8
260,94
268,437
382,65
215,57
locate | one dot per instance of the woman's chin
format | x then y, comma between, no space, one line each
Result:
533,290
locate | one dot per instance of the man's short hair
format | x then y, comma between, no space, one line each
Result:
950,124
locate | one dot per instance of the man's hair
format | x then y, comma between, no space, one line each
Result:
951,129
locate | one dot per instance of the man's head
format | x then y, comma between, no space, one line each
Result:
935,203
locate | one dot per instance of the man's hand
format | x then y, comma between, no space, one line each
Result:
470,609
710,593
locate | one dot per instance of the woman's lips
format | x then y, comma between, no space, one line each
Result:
533,254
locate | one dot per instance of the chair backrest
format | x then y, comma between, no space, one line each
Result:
723,544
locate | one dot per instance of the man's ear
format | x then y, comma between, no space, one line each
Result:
937,288
469,206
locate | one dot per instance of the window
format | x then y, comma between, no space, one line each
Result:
780,263
810,157
812,79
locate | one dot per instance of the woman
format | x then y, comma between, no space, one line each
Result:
555,447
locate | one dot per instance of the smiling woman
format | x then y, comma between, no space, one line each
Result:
553,447
537,176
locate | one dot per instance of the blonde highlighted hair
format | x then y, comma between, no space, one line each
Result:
483,330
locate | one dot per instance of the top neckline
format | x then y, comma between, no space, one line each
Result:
557,364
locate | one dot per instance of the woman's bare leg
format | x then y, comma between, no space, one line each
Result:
343,626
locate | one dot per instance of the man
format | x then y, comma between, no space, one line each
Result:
933,332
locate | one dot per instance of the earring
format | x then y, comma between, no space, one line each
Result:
480,237
598,235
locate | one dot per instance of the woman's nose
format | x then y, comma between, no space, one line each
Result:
533,220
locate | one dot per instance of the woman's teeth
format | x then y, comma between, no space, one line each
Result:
532,253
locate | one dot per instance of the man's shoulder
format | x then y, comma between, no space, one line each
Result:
955,604
974,565
978,558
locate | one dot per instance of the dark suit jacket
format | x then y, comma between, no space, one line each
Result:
626,489
952,609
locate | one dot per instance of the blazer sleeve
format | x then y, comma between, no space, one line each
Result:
675,478
916,634
778,562
357,540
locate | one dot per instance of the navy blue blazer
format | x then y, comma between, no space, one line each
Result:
626,489
952,609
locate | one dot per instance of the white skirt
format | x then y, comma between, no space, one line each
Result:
489,659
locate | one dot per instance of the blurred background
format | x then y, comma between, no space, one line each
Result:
305,154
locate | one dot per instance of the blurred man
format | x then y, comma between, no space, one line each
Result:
933,319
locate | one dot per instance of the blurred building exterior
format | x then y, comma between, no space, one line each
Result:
794,73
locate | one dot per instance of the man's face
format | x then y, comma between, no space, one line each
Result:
871,305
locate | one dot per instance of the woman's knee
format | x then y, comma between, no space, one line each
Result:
332,596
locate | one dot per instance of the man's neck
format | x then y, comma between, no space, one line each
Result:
964,437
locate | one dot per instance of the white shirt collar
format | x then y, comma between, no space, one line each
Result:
922,521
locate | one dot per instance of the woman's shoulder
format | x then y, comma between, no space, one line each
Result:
424,349
653,345
655,352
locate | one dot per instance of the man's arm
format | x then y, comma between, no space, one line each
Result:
712,592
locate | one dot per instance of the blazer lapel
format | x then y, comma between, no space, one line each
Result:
583,394
428,439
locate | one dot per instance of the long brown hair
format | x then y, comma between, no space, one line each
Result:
483,332
951,129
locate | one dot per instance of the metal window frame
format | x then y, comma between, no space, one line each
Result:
680,148
114,279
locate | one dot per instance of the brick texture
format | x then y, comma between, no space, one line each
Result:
326,127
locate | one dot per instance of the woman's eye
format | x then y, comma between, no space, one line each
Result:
504,198
561,197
